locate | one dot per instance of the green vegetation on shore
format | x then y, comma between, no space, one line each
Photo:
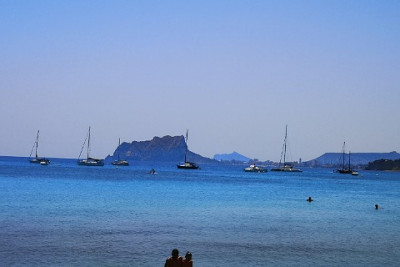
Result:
384,165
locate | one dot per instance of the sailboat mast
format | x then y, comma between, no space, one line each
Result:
187,137
88,144
344,144
349,159
37,142
284,154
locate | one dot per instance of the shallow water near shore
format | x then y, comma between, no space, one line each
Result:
68,215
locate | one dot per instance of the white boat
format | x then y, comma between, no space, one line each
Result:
89,161
254,168
285,167
37,159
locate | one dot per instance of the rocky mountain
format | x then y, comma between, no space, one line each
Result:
234,156
163,149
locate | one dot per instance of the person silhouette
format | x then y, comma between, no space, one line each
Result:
174,260
310,199
187,262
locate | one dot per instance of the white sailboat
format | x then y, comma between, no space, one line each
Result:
285,167
89,161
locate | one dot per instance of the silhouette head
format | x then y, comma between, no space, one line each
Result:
188,255
175,253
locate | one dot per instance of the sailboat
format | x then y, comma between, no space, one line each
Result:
36,159
187,164
120,162
286,167
89,161
345,170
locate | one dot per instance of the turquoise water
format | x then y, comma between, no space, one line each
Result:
68,215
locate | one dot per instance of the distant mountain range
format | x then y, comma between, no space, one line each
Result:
335,159
162,149
234,156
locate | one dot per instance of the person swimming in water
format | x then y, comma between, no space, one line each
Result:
309,199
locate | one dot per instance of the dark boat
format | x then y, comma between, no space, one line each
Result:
285,167
187,165
37,159
120,162
89,161
345,170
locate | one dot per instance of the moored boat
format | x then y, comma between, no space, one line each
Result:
89,161
344,169
37,159
285,167
120,162
187,164
254,168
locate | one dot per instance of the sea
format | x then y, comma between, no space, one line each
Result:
69,215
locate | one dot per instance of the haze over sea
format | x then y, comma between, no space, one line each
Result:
233,72
68,215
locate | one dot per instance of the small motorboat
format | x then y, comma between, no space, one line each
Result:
254,168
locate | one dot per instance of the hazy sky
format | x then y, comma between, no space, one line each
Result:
232,72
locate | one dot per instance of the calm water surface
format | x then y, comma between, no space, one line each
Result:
68,215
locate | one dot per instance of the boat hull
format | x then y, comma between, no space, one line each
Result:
286,169
91,162
347,171
42,161
188,166
257,171
120,163
344,171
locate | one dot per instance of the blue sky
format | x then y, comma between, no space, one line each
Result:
232,72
